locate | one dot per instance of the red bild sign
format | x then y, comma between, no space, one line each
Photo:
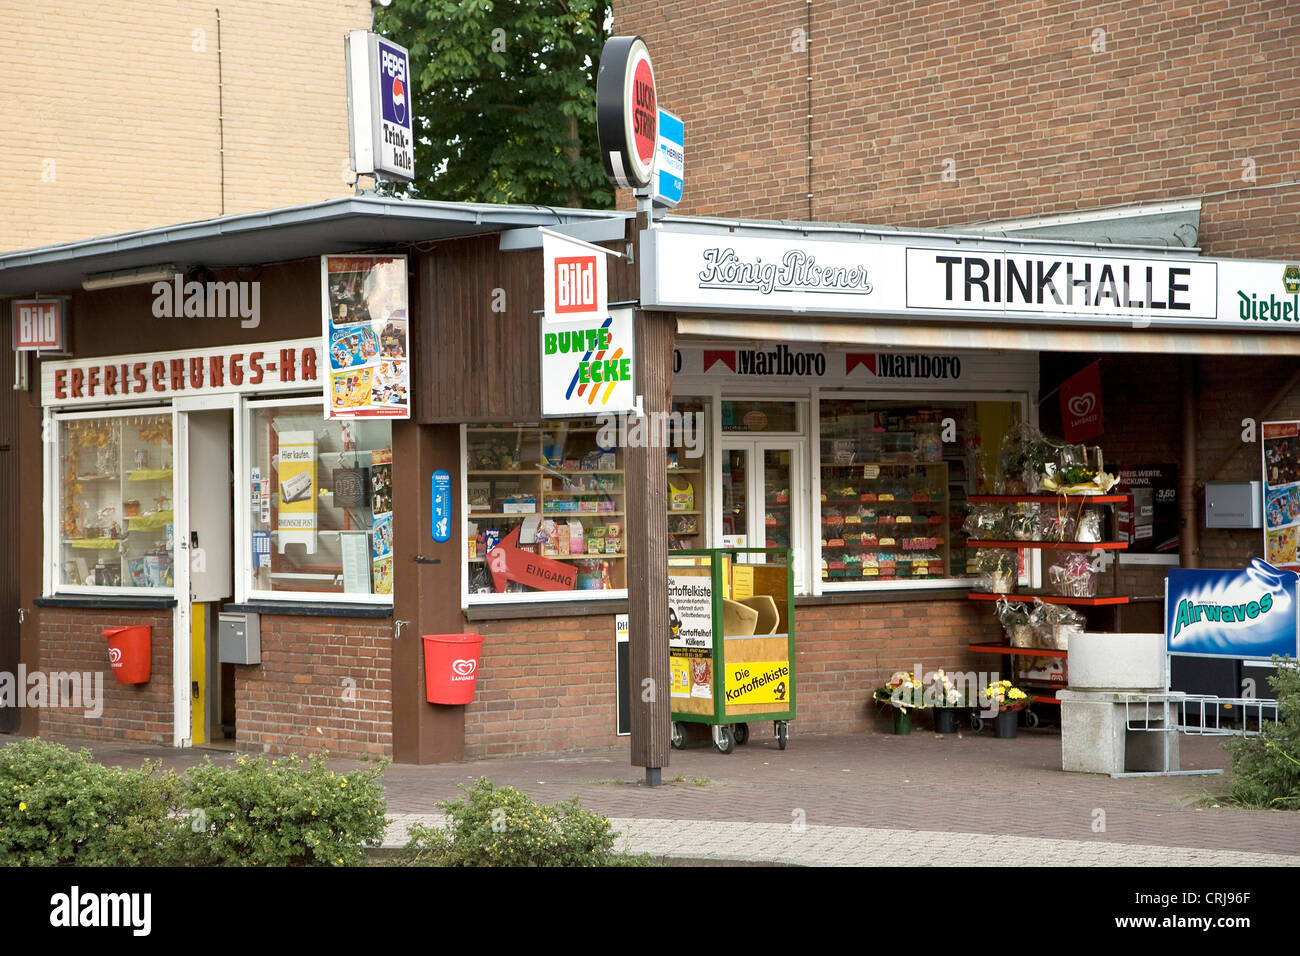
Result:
38,324
575,283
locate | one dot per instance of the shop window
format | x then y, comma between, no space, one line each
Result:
115,496
688,473
895,476
761,417
320,494
545,509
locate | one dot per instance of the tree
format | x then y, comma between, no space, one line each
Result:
505,98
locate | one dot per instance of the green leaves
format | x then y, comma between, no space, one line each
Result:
1266,767
505,98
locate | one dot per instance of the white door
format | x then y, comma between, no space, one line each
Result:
764,503
204,434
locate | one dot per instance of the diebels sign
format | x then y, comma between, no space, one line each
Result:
380,104
1248,614
627,112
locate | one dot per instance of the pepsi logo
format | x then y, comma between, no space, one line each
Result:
465,668
115,655
399,99
1082,405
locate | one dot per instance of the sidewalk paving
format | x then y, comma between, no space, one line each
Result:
865,799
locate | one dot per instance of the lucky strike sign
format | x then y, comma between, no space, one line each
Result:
270,366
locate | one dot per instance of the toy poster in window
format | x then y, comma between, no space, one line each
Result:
1281,454
364,306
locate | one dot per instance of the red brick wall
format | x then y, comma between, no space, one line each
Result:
548,685
323,684
544,685
71,640
1034,118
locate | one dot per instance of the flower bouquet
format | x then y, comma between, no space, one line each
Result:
904,694
1006,701
1015,619
946,698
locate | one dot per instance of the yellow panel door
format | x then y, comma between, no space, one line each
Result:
198,674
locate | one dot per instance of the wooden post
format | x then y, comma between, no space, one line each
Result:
647,549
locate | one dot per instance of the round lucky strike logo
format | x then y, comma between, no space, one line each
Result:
645,111
1081,406
464,669
115,655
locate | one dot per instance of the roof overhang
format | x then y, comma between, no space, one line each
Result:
280,235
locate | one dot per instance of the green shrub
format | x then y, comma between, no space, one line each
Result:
499,826
282,814
57,806
1266,768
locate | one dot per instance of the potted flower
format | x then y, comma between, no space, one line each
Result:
943,696
997,570
904,694
1006,700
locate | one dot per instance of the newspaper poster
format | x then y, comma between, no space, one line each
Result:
381,527
1281,451
366,324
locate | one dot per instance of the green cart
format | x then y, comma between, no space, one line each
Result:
731,642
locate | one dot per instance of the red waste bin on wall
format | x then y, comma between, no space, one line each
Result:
451,667
129,650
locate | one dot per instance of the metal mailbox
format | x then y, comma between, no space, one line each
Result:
240,638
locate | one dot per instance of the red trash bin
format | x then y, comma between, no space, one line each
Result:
451,667
129,652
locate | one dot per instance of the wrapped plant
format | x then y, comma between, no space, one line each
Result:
985,523
940,691
1072,576
1004,696
902,691
997,570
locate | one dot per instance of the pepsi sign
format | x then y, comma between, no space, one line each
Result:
380,106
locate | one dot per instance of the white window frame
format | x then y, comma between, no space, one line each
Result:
51,584
468,600
244,590
876,395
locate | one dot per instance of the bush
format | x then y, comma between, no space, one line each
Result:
1266,768
61,807
499,826
57,806
281,814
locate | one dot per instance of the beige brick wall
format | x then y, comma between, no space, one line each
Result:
110,112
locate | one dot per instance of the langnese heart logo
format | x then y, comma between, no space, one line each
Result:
1082,405
465,668
115,655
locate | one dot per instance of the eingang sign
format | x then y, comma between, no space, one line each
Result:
688,267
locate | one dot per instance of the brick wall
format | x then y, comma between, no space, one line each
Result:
323,684
545,685
111,111
1036,111
71,640
548,685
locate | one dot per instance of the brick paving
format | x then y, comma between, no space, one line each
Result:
860,798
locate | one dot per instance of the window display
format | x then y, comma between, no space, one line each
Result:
895,477
688,475
115,516
544,509
320,503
